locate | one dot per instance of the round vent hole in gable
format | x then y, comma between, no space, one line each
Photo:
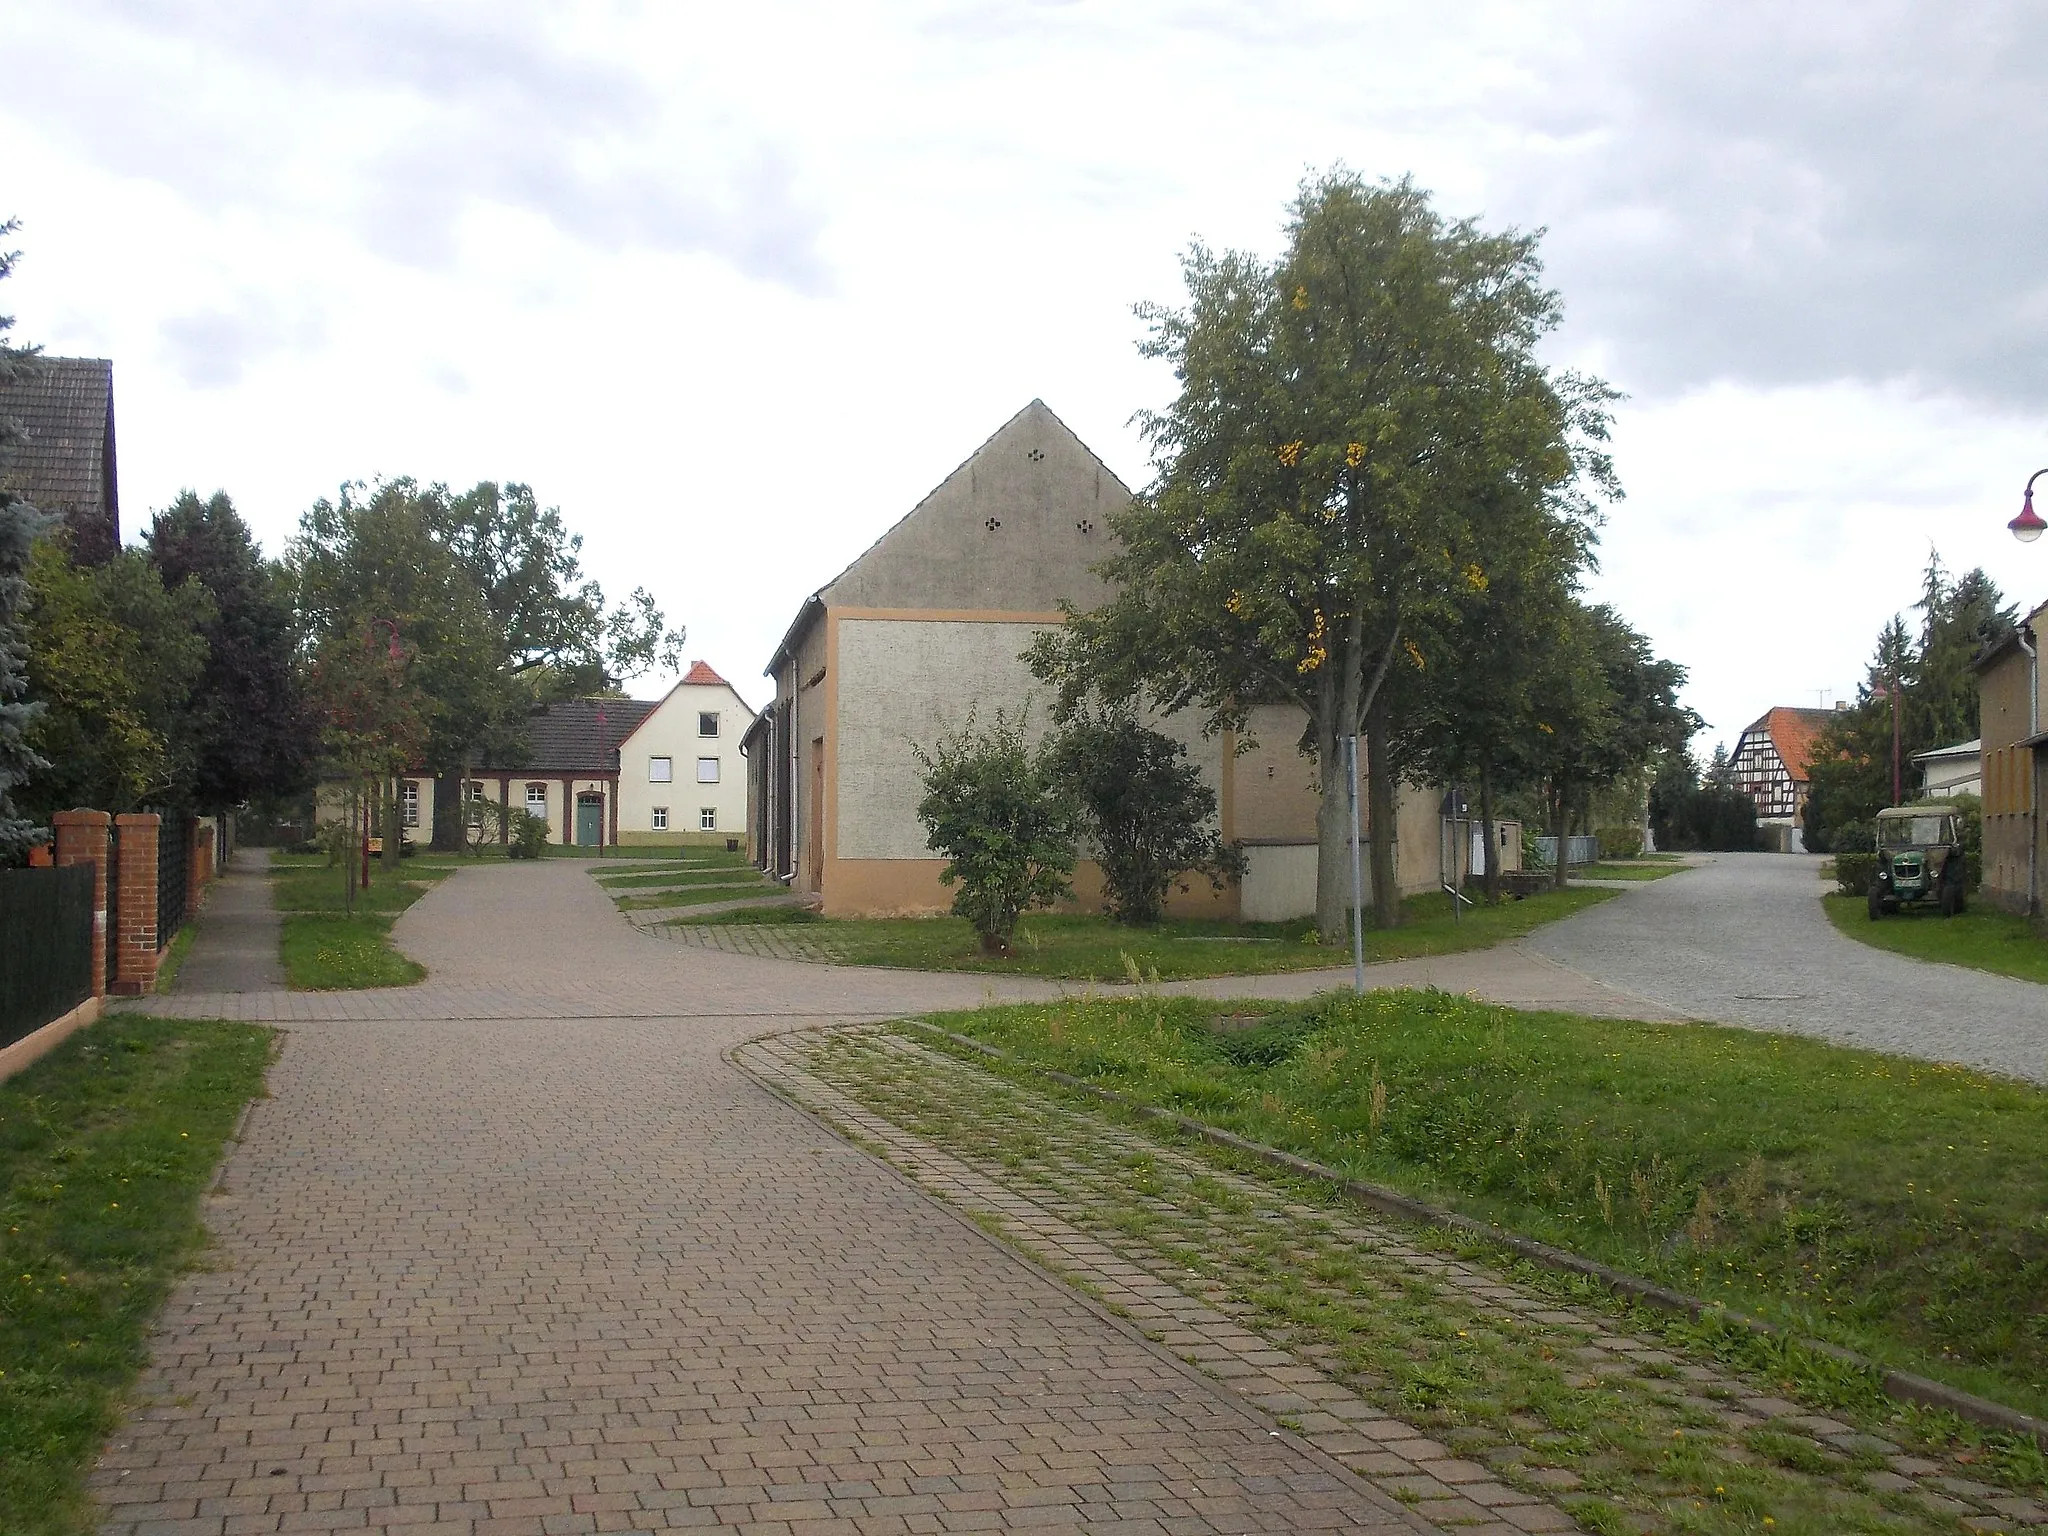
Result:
1036,455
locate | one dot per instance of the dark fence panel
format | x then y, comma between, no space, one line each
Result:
45,946
173,862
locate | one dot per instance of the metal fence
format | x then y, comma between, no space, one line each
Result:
1584,849
45,946
173,863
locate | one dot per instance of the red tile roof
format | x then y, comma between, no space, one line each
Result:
1793,732
699,673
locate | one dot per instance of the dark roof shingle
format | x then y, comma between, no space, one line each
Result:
579,736
65,408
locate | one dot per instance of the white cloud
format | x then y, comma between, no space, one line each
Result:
735,286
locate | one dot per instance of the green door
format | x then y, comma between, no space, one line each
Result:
589,823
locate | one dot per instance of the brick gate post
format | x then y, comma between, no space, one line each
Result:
82,839
135,936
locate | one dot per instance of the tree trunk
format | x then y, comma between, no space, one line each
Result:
1379,808
450,830
1492,840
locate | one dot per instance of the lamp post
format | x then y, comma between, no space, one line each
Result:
2029,525
396,653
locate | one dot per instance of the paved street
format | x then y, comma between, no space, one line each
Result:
1743,940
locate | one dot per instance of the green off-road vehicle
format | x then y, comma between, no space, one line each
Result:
1919,858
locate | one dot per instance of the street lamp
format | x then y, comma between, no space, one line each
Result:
2029,525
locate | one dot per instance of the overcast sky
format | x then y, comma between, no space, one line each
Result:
734,286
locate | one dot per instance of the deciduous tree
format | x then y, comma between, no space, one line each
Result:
254,735
1342,416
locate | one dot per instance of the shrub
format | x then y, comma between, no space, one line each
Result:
1006,830
1853,837
1853,872
1147,809
528,835
1619,842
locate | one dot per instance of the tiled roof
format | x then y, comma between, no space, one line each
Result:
65,407
1793,732
570,737
700,673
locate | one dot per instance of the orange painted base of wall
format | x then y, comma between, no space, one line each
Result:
911,888
31,1049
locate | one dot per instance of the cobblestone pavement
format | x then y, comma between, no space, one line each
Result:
1161,1236
1743,940
540,940
569,1271
235,938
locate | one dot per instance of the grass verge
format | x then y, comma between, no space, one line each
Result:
327,949
1633,1421
1888,1205
1631,869
696,895
105,1146
1980,938
333,953
173,958
1083,947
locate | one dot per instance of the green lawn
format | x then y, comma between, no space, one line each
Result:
1090,948
694,875
1628,869
1889,1205
327,950
105,1146
1978,937
693,896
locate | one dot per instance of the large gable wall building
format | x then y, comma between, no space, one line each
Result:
926,629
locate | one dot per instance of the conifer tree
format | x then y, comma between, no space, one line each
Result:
19,525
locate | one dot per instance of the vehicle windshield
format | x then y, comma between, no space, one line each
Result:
1907,831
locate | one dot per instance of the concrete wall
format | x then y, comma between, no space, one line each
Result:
1049,500
1274,787
671,732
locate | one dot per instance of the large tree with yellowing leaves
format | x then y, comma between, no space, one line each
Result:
1347,417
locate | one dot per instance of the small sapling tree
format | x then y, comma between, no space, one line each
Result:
1147,809
1006,829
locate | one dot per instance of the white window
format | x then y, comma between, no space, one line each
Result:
476,795
661,818
707,723
707,819
537,800
409,801
661,770
707,770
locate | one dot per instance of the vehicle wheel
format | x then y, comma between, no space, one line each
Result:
1876,904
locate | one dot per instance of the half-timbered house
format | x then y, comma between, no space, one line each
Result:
1771,761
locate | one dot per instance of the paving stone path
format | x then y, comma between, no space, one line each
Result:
566,1270
234,940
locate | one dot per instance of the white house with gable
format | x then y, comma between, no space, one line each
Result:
682,778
